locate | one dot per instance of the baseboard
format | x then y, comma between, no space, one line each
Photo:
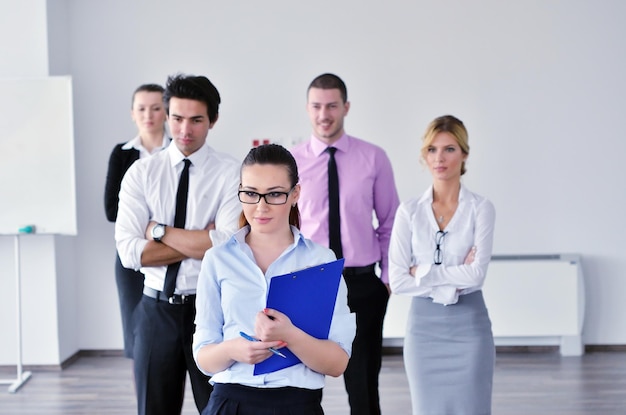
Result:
67,362
527,349
101,353
590,348
389,350
397,350
392,350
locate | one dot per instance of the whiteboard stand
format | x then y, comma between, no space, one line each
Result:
22,377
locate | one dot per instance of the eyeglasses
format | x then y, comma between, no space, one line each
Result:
439,241
272,198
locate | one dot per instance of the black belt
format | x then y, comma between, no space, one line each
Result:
174,299
352,271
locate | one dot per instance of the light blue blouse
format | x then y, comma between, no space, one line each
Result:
232,289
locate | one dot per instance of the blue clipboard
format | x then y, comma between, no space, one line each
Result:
308,297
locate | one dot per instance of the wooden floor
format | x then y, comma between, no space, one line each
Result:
525,383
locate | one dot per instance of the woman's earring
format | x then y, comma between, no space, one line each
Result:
294,205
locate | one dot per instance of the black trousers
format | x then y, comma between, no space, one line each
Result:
129,290
367,297
162,356
234,399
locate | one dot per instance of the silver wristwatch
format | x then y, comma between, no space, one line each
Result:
158,231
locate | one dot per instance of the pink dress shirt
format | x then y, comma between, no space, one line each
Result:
366,186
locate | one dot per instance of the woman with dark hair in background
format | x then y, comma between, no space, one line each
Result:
148,114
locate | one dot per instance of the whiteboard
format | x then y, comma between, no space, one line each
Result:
37,173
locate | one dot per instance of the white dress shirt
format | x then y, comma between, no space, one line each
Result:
232,289
148,193
413,242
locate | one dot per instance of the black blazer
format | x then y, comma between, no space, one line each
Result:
119,162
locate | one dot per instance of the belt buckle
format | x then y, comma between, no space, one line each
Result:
176,299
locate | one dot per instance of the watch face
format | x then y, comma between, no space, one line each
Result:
158,231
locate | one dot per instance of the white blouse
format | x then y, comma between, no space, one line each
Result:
413,243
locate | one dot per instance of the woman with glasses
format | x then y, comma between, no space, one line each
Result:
439,252
148,114
231,296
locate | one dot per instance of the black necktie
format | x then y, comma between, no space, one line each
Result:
179,222
334,222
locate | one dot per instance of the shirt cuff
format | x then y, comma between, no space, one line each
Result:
421,272
445,294
139,247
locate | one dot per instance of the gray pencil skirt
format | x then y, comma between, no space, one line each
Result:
449,356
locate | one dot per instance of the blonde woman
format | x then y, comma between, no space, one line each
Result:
440,249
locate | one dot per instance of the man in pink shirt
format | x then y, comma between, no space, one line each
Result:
366,186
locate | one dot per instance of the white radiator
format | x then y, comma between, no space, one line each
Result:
532,300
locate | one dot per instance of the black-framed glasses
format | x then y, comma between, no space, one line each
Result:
438,258
272,198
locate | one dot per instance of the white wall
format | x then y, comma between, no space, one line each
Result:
24,46
539,84
23,42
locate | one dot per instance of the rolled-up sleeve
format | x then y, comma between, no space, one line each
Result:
227,217
343,324
132,218
209,315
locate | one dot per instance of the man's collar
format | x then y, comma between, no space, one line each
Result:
176,156
318,146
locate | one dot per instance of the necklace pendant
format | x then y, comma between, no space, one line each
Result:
440,219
